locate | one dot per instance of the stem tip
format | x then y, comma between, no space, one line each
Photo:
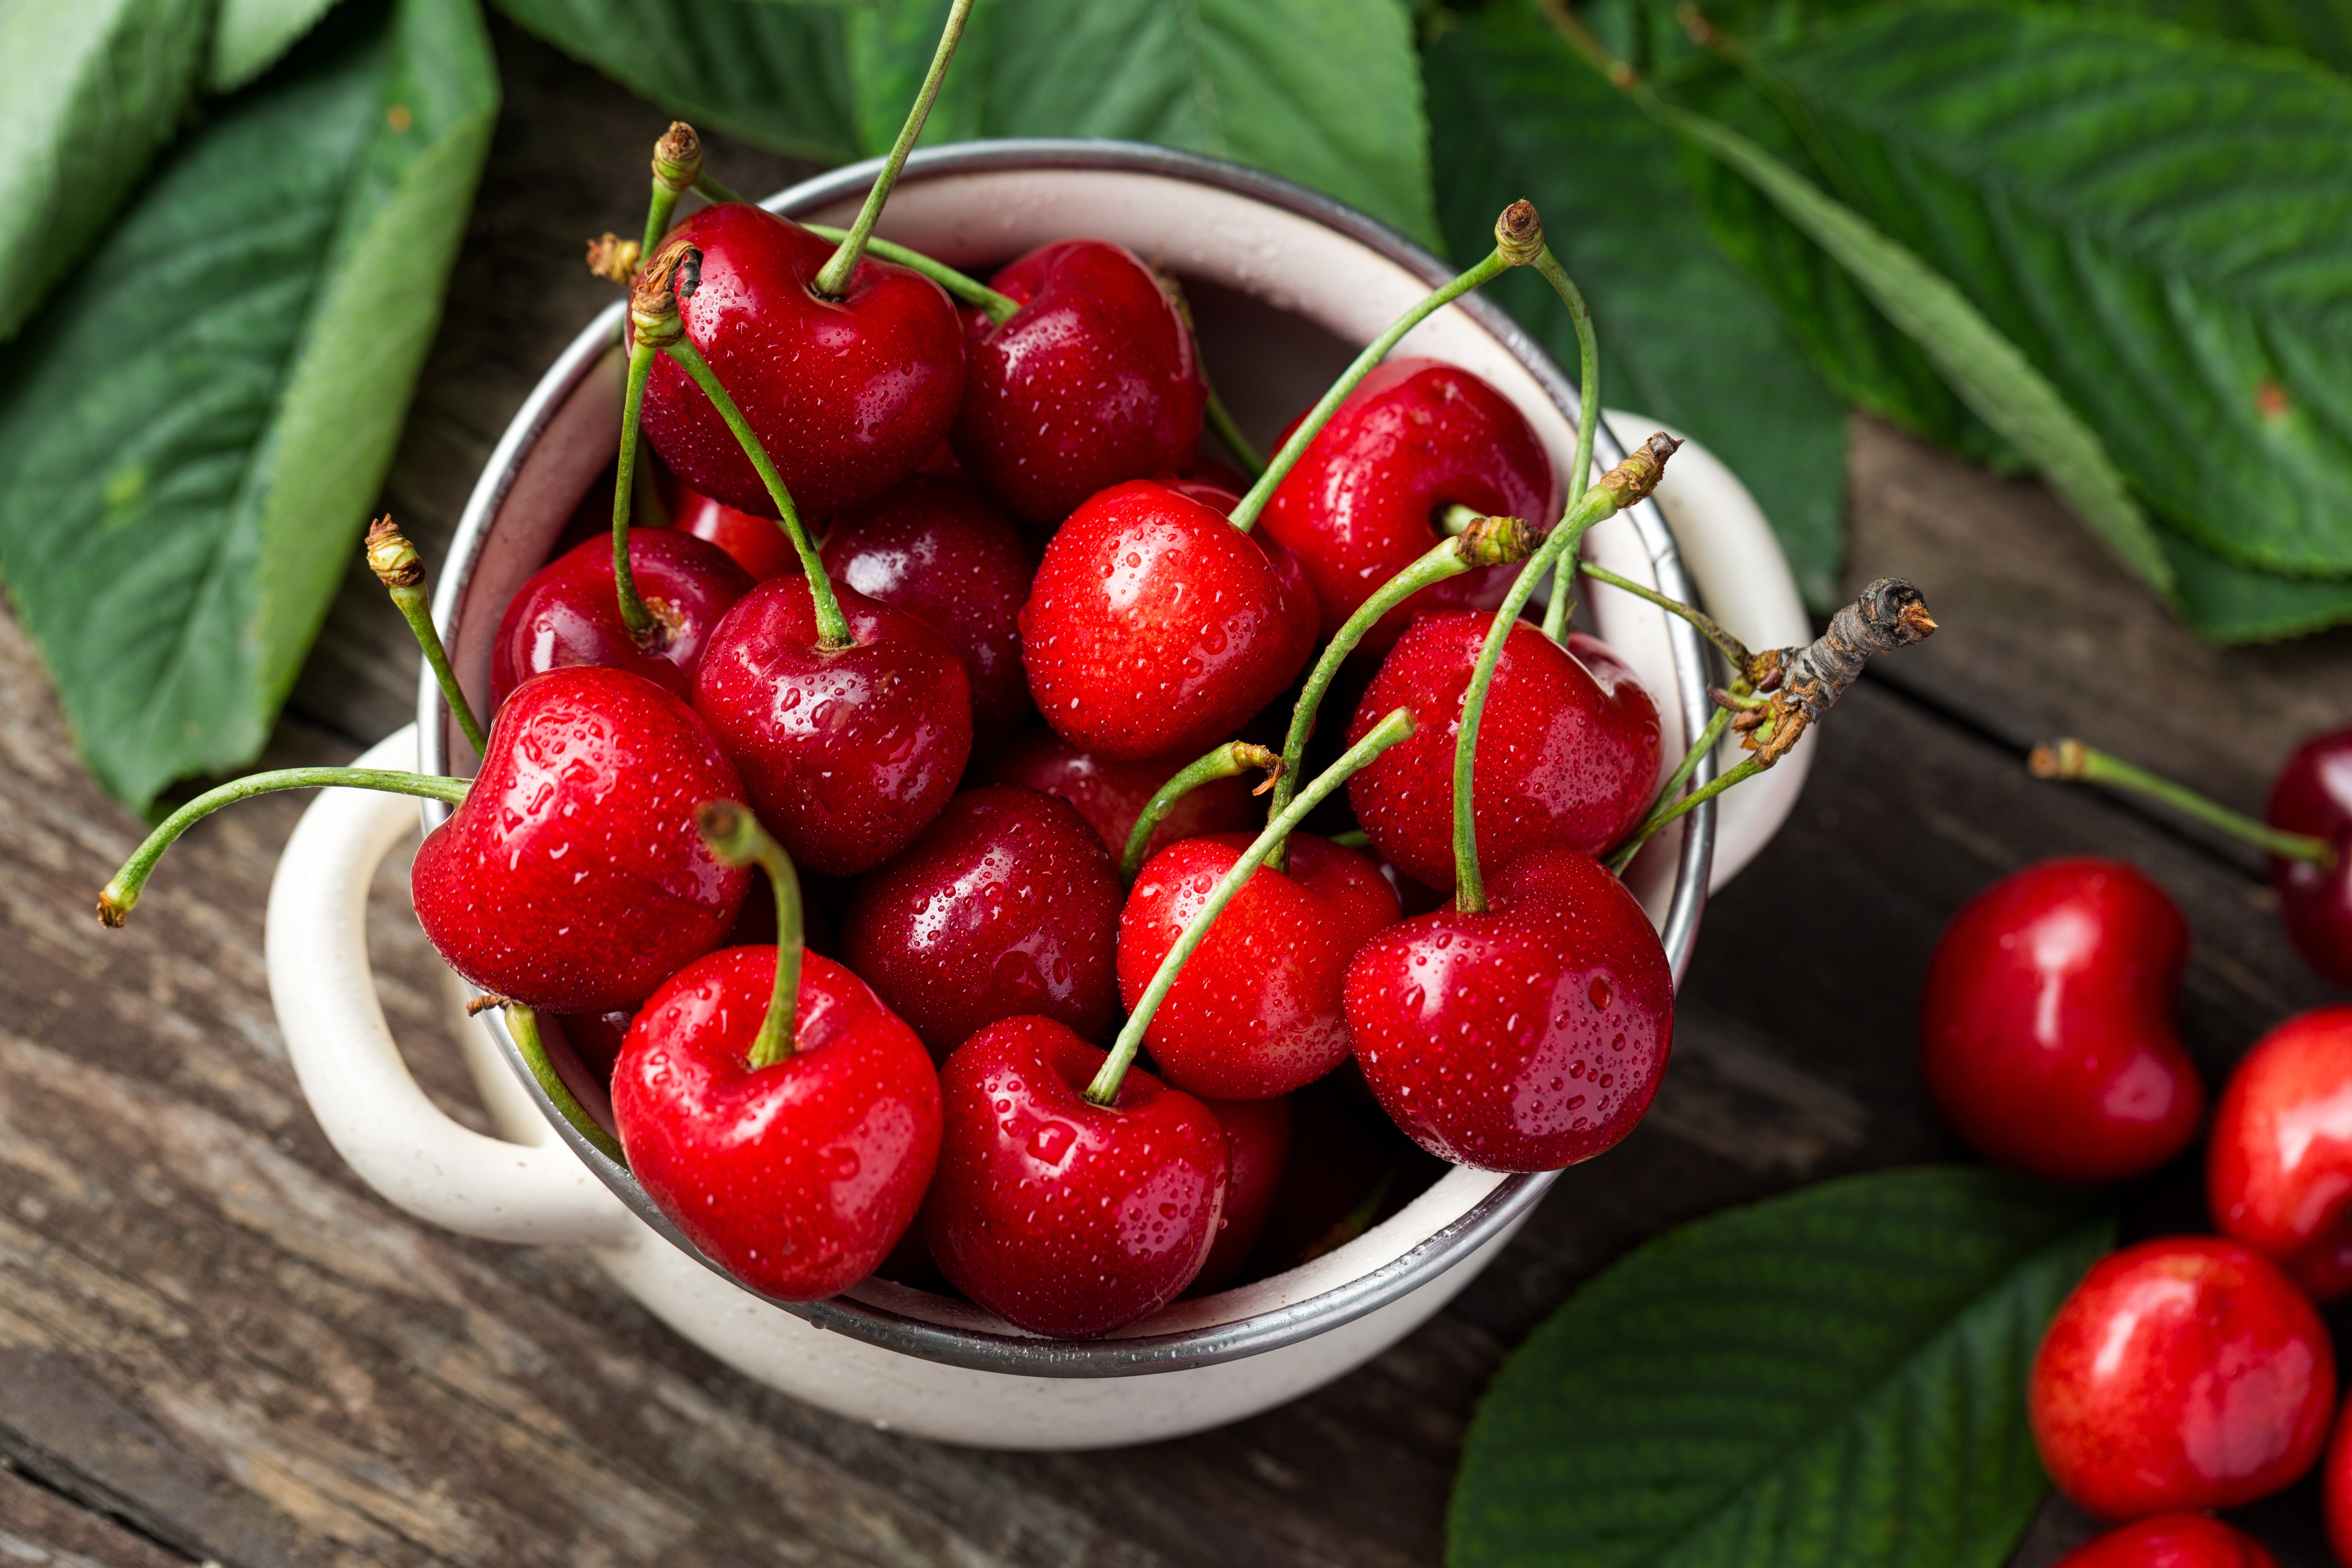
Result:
2067,759
675,273
1496,541
613,258
678,158
487,1000
1632,480
391,556
1518,234
112,913
731,830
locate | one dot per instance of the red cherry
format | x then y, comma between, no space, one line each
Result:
1363,502
941,552
2278,1166
1156,626
1257,1143
1256,1011
1007,904
849,752
1523,1038
1092,382
567,612
847,395
1568,750
2046,1031
596,1037
1060,1215
2172,1541
571,878
757,544
2185,1373
796,1178
1111,794
2313,794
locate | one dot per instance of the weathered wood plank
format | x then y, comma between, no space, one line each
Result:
40,1528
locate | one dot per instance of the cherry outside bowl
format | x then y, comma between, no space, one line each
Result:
1285,283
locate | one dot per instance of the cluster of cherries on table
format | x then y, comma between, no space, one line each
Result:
2185,1373
1017,518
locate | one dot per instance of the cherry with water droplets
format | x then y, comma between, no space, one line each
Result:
566,613
849,752
2278,1160
755,543
2045,1028
1111,794
1366,499
796,1176
1156,626
1525,1037
1091,383
2172,1541
848,394
1567,752
1008,904
1256,1011
2184,1372
571,877
940,551
1257,1146
1060,1215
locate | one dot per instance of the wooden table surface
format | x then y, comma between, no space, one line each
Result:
216,1346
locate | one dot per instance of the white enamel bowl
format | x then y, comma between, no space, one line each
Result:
1273,268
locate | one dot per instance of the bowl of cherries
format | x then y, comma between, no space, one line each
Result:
877,951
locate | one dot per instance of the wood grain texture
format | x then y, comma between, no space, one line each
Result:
215,1345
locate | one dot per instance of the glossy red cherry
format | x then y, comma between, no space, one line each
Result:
1568,750
2278,1164
567,612
847,395
2185,1373
1156,626
1092,382
2172,1541
1111,794
2313,794
849,752
1062,1217
1366,499
940,551
1008,904
2046,1030
756,543
1256,1011
796,1178
1526,1037
1257,1145
571,878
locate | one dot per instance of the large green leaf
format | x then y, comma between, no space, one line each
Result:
1832,1378
1685,336
89,91
192,435
2232,603
2161,222
1990,373
250,37
1324,92
771,74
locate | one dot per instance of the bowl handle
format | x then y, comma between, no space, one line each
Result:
371,1108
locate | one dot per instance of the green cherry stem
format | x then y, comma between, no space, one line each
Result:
1588,415
1657,817
2070,761
121,895
653,310
1228,761
677,165
1622,486
639,621
1518,240
998,307
1104,1089
833,279
1733,651
397,566
712,191
1489,541
522,1023
736,837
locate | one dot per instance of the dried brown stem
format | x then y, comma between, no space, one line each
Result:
1805,683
